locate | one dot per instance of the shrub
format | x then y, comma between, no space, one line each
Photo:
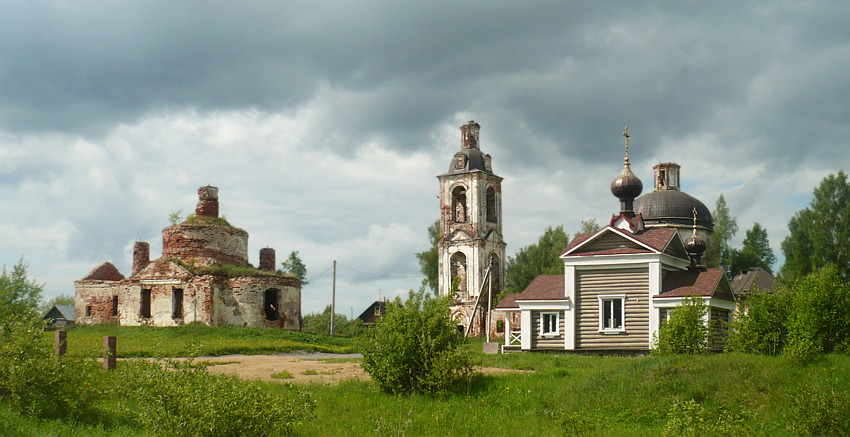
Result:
764,327
819,411
415,348
819,320
182,399
685,332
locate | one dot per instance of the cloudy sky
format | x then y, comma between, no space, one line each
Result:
324,124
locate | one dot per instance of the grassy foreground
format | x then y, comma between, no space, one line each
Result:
197,339
724,394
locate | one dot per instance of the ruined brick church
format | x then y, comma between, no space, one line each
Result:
203,276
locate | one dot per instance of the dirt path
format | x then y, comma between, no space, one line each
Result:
304,368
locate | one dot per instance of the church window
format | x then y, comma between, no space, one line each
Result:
270,304
458,262
612,313
145,304
549,324
491,205
88,310
114,306
177,303
459,212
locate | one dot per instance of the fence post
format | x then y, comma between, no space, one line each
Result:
60,342
110,347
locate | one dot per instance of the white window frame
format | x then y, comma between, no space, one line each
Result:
552,314
611,298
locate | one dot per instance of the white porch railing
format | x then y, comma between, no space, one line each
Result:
514,338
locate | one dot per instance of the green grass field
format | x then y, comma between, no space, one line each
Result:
723,394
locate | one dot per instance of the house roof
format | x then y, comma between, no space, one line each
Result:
754,278
509,301
543,287
61,312
104,272
368,314
697,281
650,240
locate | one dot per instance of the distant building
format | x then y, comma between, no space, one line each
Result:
60,316
371,314
202,276
621,282
471,248
754,279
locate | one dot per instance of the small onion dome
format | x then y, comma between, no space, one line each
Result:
626,186
695,245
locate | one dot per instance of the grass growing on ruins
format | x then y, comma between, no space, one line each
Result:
198,340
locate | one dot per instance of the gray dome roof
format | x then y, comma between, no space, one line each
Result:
626,185
672,207
473,159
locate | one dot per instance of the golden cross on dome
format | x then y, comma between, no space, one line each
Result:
626,134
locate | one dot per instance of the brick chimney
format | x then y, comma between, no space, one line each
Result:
141,256
207,202
267,259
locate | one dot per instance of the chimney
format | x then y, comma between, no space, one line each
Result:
207,202
469,135
267,259
141,256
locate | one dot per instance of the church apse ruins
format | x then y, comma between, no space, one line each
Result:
202,276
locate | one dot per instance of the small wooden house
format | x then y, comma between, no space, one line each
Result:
60,316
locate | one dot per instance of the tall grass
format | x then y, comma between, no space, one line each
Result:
197,339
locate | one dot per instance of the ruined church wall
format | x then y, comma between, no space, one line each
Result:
98,296
242,302
205,244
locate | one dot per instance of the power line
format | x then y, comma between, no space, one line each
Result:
320,274
378,274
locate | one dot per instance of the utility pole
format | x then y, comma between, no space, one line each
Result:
333,301
489,298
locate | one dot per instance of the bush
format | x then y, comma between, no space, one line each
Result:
319,323
685,332
415,348
764,327
182,399
819,320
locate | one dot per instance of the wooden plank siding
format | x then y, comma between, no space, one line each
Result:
634,284
548,342
609,241
719,329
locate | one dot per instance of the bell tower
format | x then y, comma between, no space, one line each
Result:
471,232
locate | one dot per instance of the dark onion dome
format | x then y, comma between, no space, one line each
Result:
695,245
672,207
626,185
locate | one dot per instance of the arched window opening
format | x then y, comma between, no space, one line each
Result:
495,277
491,205
270,304
459,272
459,212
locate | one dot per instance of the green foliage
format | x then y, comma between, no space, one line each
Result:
685,332
588,226
193,219
763,328
182,399
534,260
756,252
820,233
415,348
294,266
18,294
174,217
429,259
320,324
819,320
719,252
227,270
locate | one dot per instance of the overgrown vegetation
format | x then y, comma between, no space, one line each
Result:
194,219
226,270
809,319
415,348
319,323
685,332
